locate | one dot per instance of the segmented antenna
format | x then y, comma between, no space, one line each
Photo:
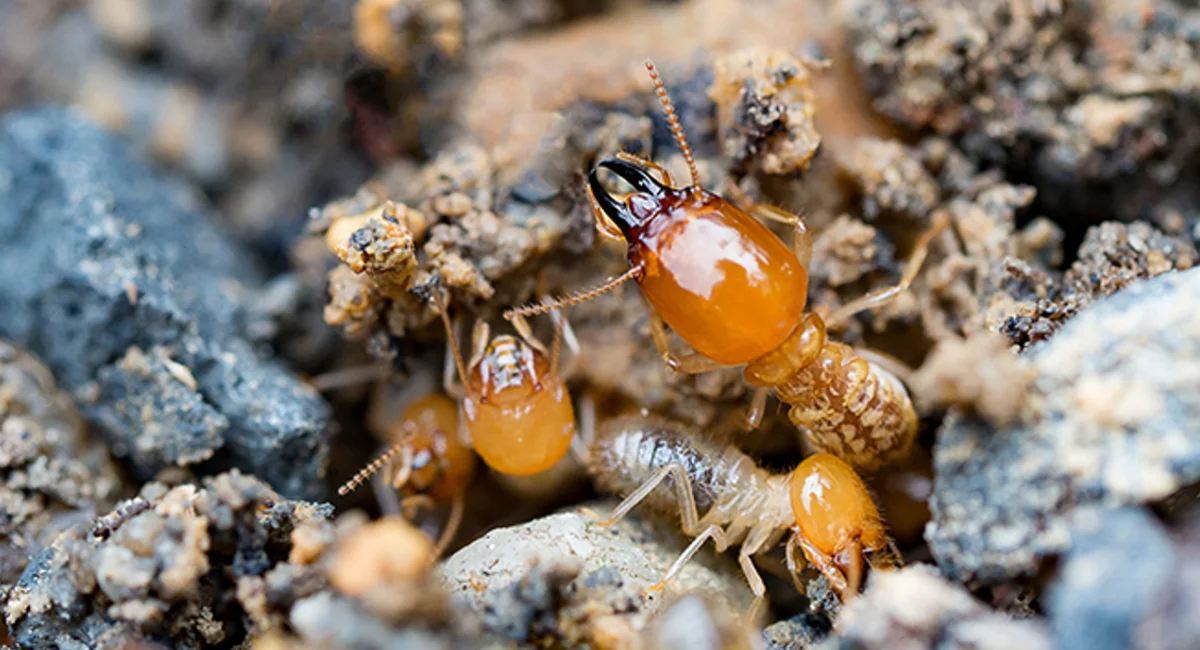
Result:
550,304
673,119
372,467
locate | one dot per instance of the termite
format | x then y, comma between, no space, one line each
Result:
515,407
426,462
734,292
822,502
513,410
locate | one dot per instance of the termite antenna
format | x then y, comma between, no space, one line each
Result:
673,119
550,304
372,467
443,307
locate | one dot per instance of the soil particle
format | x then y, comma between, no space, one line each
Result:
915,608
1095,101
150,574
145,310
849,250
1106,423
55,476
1112,256
765,109
892,182
981,375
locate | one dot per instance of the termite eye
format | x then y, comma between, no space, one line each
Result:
649,189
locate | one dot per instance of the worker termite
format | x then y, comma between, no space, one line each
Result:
515,406
426,462
513,409
734,292
822,502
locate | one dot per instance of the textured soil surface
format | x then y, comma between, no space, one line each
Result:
227,229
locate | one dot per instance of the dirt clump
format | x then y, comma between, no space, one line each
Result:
55,475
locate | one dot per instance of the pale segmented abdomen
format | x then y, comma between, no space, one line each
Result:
628,451
851,408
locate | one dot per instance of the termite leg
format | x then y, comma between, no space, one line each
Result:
410,504
758,406
451,526
752,544
713,531
405,469
854,572
346,377
564,333
683,492
824,564
667,179
526,332
692,363
581,442
455,389
883,296
887,558
385,495
802,239
479,340
792,565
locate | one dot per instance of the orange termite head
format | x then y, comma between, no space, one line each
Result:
723,281
517,410
835,512
441,465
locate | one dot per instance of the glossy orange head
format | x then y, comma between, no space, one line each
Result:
441,465
518,411
720,278
833,508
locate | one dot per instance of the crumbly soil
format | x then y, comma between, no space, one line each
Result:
357,158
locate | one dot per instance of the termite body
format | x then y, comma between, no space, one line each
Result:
426,462
732,290
822,506
515,406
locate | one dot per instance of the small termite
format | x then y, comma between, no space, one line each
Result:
515,407
426,462
823,502
734,292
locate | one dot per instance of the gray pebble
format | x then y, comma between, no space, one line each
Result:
142,309
1110,421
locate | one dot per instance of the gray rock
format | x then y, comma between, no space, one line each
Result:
100,260
1110,421
556,576
1117,575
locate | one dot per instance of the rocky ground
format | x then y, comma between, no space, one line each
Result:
221,223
